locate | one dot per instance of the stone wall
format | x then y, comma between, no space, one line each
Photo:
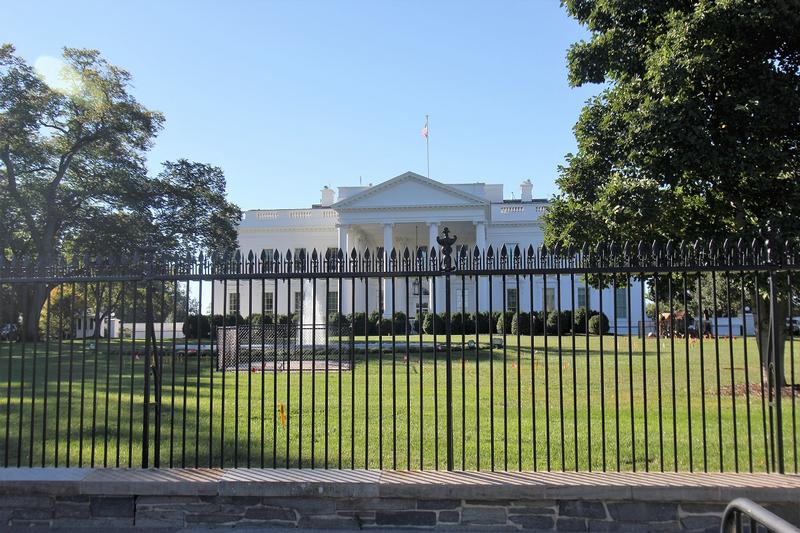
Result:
353,500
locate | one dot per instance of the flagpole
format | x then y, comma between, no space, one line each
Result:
427,146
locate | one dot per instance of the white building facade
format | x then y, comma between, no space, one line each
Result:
408,211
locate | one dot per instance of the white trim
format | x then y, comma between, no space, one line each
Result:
347,203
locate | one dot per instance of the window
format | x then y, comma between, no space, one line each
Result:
268,302
549,298
582,297
298,301
270,255
512,299
233,303
332,253
333,301
621,309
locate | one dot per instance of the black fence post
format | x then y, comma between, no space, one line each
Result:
774,260
446,242
149,361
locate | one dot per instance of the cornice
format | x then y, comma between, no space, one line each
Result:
293,229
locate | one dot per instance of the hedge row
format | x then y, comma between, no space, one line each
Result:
516,323
521,323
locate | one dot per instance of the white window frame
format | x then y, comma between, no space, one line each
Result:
268,303
621,309
234,303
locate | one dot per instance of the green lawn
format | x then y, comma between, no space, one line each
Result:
574,412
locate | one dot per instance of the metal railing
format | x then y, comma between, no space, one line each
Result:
742,510
523,359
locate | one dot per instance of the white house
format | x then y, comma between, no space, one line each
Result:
407,211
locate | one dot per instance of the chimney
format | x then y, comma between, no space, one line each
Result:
327,197
527,191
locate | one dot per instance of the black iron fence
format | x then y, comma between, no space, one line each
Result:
647,357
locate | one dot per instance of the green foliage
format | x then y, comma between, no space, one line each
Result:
197,326
559,322
400,323
462,323
483,321
73,168
258,319
383,326
599,324
338,320
537,323
503,323
696,132
521,323
360,324
433,322
580,318
227,320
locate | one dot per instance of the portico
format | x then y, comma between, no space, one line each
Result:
409,212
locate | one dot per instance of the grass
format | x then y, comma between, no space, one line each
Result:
631,406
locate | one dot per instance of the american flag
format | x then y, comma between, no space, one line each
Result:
425,129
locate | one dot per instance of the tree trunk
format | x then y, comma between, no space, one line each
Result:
764,338
32,297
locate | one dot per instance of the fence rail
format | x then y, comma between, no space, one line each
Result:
757,518
530,359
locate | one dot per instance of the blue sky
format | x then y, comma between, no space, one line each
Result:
288,96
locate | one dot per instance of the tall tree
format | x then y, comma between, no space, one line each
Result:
73,176
697,132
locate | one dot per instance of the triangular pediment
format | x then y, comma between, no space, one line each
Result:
409,190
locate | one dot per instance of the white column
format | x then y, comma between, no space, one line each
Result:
344,245
483,283
387,284
433,232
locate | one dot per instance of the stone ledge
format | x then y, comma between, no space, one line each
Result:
489,486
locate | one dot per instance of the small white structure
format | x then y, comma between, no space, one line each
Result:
408,211
164,330
85,326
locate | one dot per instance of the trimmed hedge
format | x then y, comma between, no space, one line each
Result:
190,326
433,319
559,322
462,324
599,323
579,320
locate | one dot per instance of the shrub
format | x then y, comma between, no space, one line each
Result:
431,320
537,323
375,317
580,318
190,326
357,322
599,323
285,319
521,323
502,323
227,320
257,319
483,321
400,323
559,322
462,324
339,320
383,326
